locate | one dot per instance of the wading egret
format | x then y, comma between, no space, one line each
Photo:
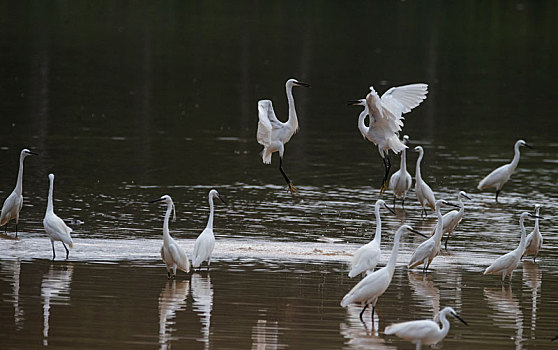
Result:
55,227
534,240
499,176
206,240
385,118
508,262
371,287
454,217
274,134
425,332
14,202
366,257
171,253
425,196
400,182
429,249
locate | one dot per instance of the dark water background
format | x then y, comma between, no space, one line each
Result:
126,101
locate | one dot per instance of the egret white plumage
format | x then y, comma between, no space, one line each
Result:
508,262
400,182
205,243
13,204
172,254
499,176
371,287
55,227
425,332
386,120
454,217
274,134
429,249
366,257
534,240
425,196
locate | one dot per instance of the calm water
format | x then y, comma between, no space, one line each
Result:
129,101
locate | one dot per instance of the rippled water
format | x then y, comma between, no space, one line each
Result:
126,103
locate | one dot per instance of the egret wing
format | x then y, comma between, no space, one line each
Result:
179,257
412,330
267,122
57,228
400,100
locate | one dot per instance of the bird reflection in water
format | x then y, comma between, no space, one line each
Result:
55,287
172,299
358,336
426,290
507,311
202,292
265,335
532,280
13,269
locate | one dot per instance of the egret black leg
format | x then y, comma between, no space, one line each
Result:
53,253
290,188
387,167
373,308
403,203
362,312
497,193
16,230
67,251
393,202
168,275
446,244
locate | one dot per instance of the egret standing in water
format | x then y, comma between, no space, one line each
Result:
13,204
385,119
205,243
172,254
366,257
499,176
55,227
454,217
508,262
425,196
425,332
371,287
534,240
274,134
400,182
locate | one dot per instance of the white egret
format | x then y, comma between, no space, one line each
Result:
371,287
454,217
534,240
508,262
499,176
429,249
425,196
55,227
400,182
274,134
171,253
366,257
385,118
13,204
425,332
205,243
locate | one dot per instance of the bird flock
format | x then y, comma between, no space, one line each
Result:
385,122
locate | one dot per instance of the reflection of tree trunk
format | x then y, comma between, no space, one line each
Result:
143,104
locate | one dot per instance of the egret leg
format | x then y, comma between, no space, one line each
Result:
446,244
53,253
534,258
290,186
497,193
403,203
362,312
16,230
373,308
67,251
503,277
387,167
168,275
393,202
207,264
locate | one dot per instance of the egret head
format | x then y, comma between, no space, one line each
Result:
168,200
361,102
380,203
464,194
215,194
439,202
523,143
454,314
25,152
51,177
294,82
409,228
419,149
405,139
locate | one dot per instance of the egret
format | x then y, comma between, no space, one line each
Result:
499,176
534,240
424,331
55,227
425,196
171,253
508,262
13,204
400,182
429,249
371,287
366,257
206,240
454,217
274,134
385,118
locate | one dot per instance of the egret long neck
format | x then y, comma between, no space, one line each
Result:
210,220
50,204
393,258
378,235
403,165
445,325
19,183
293,120
461,205
515,159
536,229
166,234
417,171
439,224
361,126
523,235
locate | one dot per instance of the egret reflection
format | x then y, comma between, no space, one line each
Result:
359,337
172,299
202,292
265,336
13,270
532,280
425,290
507,311
55,287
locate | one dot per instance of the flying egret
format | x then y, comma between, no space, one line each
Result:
55,227
429,249
371,287
534,240
499,176
508,262
425,332
274,134
385,118
400,182
13,204
454,217
171,253
366,257
425,196
206,240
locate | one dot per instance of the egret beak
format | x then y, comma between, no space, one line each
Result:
299,83
221,198
536,216
528,146
388,208
33,153
353,103
451,204
418,233
459,318
155,200
466,196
